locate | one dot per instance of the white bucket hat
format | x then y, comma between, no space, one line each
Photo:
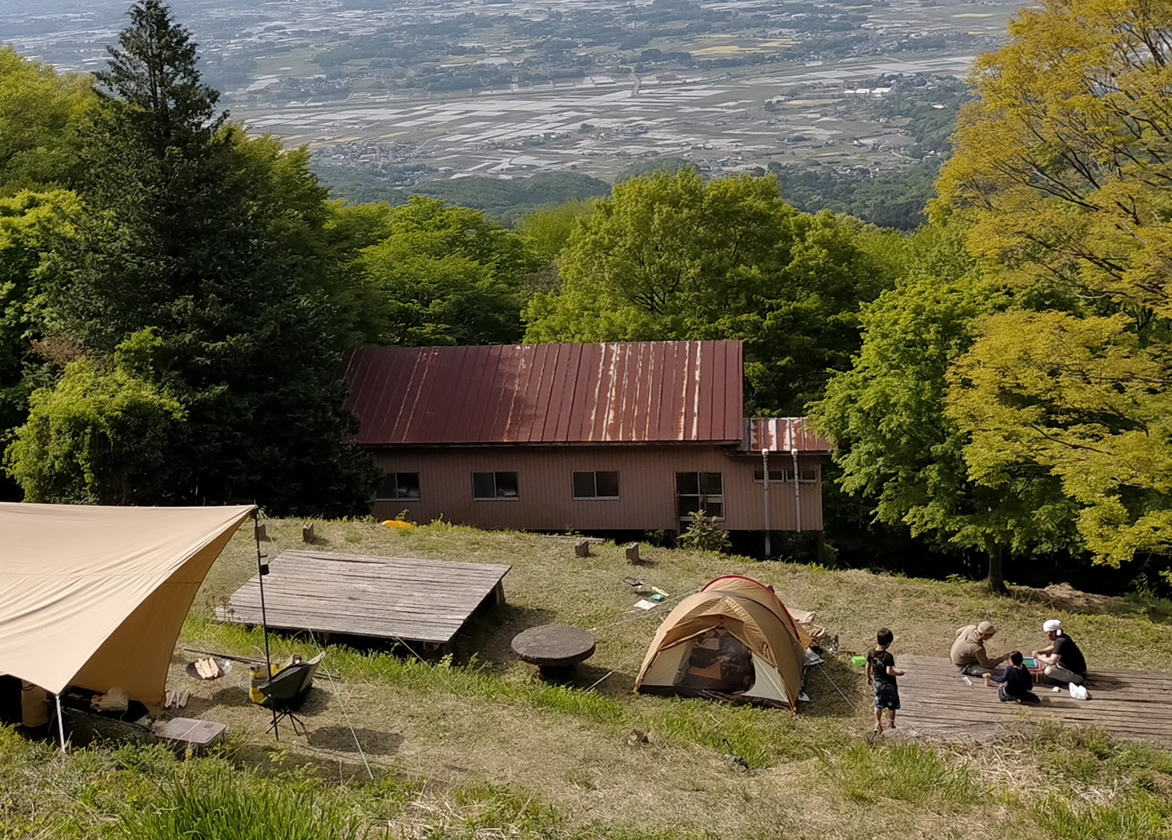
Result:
1052,626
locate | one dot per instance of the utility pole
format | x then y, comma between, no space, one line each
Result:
765,484
797,490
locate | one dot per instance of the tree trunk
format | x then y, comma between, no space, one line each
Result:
996,580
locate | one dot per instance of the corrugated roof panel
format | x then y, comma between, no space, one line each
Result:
691,372
521,417
781,434
586,394
618,392
469,390
636,389
671,418
734,407
504,377
612,390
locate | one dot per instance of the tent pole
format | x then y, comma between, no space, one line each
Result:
60,723
262,569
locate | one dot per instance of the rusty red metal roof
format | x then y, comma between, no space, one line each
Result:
781,434
637,392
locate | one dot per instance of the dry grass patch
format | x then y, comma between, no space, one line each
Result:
474,745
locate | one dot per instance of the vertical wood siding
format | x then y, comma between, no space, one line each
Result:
646,500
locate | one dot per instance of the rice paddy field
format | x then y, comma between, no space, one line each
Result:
272,63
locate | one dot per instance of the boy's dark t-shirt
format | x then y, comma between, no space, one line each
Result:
1018,681
1069,656
879,660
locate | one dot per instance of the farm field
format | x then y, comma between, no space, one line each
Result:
474,745
513,89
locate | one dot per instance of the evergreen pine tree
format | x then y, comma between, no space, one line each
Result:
188,231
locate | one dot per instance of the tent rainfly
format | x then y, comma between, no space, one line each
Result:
732,640
96,596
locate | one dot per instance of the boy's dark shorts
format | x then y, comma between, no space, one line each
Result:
886,695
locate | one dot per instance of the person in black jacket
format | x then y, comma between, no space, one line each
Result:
1016,682
1062,659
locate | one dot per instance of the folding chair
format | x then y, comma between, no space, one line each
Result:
285,691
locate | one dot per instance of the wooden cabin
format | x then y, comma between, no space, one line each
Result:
580,437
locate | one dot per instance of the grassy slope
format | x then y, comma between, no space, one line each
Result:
476,744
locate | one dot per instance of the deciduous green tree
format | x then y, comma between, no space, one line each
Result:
1084,400
40,111
1064,166
1066,160
897,445
445,275
669,256
99,436
547,231
29,225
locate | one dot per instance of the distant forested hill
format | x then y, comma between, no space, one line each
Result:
505,200
893,199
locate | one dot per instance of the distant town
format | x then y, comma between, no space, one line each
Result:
409,90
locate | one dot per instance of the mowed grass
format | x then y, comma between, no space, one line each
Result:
474,745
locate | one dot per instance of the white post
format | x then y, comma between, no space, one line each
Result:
765,484
60,723
797,490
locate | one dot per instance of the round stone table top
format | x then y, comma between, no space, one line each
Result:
554,645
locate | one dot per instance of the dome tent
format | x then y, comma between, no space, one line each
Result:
732,640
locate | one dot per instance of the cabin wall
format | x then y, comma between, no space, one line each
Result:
647,487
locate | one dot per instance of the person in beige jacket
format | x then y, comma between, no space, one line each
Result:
968,651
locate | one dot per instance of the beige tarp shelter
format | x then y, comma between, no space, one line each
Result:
733,640
96,596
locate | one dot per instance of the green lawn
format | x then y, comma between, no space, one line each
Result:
475,746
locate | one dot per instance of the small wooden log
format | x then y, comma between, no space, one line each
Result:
633,554
554,648
307,534
582,548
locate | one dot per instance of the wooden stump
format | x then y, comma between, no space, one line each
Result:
554,648
633,554
582,548
307,534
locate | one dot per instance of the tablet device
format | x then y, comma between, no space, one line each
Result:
1030,663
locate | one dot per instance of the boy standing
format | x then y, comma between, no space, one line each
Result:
881,671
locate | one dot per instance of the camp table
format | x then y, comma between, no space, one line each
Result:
554,648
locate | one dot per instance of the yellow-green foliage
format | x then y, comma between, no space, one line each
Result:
1063,169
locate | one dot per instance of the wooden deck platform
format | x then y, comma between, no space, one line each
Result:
1131,705
380,597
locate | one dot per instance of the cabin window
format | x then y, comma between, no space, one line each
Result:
596,485
402,485
699,491
804,476
494,485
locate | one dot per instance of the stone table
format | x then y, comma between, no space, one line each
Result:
554,648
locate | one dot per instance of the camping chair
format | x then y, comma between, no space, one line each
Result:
285,691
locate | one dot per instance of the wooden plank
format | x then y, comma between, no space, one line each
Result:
1131,705
382,597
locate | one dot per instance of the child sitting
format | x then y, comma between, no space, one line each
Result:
1016,682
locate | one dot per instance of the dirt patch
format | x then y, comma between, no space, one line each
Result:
1063,596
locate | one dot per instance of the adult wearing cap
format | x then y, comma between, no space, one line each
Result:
1062,661
968,651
